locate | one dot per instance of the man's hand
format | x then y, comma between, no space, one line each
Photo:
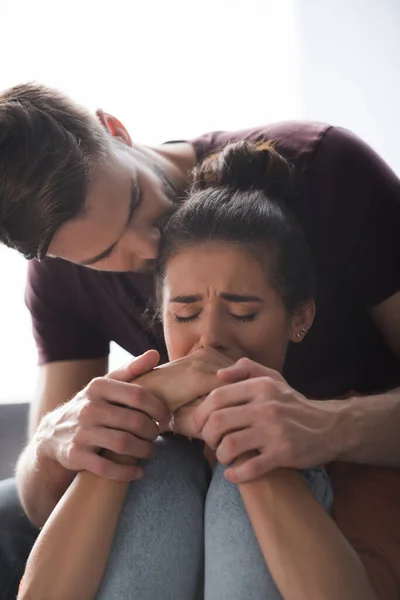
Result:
258,411
110,413
182,381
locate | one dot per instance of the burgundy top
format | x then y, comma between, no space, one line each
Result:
348,201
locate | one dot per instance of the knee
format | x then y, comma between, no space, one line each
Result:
178,466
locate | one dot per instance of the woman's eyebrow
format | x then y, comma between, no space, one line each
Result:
136,199
186,299
224,295
239,297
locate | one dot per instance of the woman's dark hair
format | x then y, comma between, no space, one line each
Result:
237,198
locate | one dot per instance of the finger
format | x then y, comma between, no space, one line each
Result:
129,420
223,397
110,470
138,366
121,442
250,469
245,368
129,395
235,444
224,421
182,422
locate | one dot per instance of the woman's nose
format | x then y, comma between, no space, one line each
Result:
212,334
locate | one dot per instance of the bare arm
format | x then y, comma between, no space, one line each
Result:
41,480
373,423
109,413
70,555
306,554
71,544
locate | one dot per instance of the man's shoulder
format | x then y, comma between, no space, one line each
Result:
294,139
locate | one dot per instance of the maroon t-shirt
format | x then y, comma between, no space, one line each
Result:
348,201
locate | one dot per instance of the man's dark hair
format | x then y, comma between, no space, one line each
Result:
49,148
237,198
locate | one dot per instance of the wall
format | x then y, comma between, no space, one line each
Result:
349,52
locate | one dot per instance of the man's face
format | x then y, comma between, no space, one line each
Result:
129,202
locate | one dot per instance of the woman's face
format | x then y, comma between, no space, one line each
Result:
218,294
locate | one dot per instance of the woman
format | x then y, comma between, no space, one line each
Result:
234,276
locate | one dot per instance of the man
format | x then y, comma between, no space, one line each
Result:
76,188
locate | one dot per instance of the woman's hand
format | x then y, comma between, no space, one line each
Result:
257,410
184,380
183,420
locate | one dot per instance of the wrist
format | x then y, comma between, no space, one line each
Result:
344,434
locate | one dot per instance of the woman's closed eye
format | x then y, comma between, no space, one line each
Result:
188,319
179,319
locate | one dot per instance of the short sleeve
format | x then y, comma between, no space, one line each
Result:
61,318
358,208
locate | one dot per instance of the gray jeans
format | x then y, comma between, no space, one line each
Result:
184,533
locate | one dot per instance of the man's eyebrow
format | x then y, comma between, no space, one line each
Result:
136,199
225,296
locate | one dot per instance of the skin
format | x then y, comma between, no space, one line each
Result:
361,430
231,307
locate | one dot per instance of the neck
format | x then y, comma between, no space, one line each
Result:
179,159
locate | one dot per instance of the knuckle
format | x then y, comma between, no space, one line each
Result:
244,362
138,394
72,455
216,420
230,445
122,443
102,469
95,385
85,411
215,396
272,410
137,421
266,385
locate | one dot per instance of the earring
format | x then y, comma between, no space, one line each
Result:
300,333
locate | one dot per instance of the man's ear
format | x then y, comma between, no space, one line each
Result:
301,321
114,127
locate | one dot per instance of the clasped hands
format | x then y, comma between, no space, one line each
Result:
243,409
238,408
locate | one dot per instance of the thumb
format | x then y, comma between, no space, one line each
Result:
138,366
247,369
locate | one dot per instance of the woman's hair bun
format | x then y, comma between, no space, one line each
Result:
244,165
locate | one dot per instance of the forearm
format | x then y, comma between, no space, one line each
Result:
71,552
368,429
41,482
70,555
306,554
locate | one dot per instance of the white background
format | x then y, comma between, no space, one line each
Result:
176,69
